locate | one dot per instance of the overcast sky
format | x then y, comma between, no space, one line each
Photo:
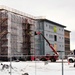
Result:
60,11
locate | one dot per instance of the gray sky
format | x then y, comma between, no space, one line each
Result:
60,11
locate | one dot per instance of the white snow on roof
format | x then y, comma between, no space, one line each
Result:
16,11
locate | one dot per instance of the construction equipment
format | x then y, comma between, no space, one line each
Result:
54,57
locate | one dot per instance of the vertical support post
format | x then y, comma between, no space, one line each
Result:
34,51
10,64
62,64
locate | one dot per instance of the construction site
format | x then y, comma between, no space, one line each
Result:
16,34
26,37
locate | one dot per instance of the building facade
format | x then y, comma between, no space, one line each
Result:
54,32
67,41
17,33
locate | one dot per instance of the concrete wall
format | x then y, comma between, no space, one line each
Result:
48,31
49,34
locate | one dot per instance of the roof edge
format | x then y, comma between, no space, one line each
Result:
52,22
16,11
67,30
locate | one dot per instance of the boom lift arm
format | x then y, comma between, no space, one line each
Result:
39,33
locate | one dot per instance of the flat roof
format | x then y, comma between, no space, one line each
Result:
2,7
67,30
52,22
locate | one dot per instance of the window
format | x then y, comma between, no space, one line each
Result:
46,25
51,27
55,38
50,36
46,34
60,45
62,37
59,37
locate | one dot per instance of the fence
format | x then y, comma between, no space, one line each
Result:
24,66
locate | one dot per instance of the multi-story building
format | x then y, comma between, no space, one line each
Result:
16,33
54,32
67,41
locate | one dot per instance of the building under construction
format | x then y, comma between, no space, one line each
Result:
16,33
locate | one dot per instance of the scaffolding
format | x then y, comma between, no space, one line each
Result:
3,36
20,39
28,37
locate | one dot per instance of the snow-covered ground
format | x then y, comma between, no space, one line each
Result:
37,68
